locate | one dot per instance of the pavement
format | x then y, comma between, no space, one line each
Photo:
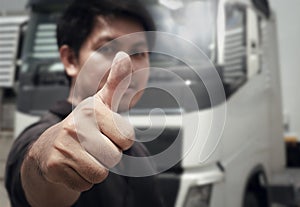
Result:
6,139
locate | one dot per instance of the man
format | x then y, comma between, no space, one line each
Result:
63,159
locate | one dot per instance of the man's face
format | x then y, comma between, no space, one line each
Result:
98,51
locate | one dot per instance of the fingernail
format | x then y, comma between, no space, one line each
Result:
119,56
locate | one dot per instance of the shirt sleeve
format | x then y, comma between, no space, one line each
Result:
15,159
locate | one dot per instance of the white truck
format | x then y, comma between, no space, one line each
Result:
237,156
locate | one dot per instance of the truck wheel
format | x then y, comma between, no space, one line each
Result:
251,200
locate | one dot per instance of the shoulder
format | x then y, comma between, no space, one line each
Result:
17,154
31,134
40,126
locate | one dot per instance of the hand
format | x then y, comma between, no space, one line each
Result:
78,151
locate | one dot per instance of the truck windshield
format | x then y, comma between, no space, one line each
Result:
40,44
193,20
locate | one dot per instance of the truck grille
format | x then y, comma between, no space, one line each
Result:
10,28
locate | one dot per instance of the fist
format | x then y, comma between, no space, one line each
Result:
78,151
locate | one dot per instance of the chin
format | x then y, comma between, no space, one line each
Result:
126,105
129,100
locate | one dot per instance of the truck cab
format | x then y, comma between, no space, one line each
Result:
212,107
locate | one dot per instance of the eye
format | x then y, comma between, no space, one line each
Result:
107,50
139,54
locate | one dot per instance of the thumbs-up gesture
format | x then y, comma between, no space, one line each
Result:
78,151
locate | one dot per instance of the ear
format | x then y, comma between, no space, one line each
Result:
69,60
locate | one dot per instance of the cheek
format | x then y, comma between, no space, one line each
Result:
142,77
95,71
141,73
143,81
140,80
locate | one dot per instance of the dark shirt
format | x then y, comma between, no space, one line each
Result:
115,191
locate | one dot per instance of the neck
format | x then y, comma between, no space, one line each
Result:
73,98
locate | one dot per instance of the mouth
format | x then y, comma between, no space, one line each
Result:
132,85
130,89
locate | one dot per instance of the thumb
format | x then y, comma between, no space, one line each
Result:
117,81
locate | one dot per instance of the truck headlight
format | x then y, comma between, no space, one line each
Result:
198,196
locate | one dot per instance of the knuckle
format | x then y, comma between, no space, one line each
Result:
68,123
64,147
119,132
87,111
53,165
113,158
126,142
32,153
85,187
94,170
58,144
117,158
98,175
79,186
68,127
129,140
127,135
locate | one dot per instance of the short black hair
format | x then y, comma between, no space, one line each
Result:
79,19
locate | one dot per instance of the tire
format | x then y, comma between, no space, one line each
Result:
251,200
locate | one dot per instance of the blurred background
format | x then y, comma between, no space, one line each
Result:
288,27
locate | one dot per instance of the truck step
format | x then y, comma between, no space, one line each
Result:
285,187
